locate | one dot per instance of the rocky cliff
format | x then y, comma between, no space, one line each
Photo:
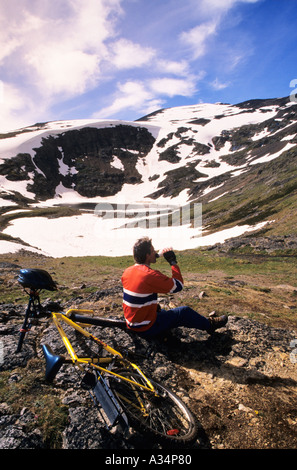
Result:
91,161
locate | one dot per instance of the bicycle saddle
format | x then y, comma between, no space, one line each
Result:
36,279
53,362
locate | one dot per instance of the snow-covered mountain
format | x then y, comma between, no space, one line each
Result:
238,161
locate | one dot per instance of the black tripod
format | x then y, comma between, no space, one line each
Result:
32,311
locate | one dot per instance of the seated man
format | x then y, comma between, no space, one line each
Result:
141,284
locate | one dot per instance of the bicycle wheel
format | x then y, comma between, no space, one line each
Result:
164,416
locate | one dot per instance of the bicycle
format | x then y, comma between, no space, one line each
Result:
121,391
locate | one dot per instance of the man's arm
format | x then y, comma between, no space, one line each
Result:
170,256
177,279
163,284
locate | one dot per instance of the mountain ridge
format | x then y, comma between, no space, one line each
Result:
238,161
246,179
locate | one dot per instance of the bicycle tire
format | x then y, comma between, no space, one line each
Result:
166,416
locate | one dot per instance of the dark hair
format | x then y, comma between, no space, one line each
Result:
142,248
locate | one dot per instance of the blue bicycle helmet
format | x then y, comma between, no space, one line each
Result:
36,279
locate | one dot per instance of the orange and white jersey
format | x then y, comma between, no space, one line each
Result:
141,285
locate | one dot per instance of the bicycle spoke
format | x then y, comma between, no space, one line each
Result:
164,415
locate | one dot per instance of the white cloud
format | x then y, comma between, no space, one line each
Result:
217,85
46,45
180,68
15,27
53,48
65,56
17,110
210,14
131,95
196,37
173,86
126,54
209,7
62,70
145,97
52,51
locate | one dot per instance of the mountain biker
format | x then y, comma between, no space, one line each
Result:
141,284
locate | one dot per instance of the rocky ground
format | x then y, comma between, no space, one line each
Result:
241,383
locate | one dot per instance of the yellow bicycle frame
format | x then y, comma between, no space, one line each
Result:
94,362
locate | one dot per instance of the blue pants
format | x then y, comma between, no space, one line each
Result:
180,316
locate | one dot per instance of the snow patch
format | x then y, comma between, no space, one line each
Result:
88,235
272,156
116,163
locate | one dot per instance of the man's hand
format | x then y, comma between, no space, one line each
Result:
169,255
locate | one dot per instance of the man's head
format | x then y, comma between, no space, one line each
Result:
144,252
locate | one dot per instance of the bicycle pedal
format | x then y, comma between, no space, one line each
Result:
88,381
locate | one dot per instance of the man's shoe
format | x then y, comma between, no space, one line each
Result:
216,323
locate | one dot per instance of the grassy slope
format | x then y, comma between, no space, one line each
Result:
265,192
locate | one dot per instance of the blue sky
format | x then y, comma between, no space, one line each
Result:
122,59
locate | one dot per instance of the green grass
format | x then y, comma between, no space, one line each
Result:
239,263
236,283
263,193
31,390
